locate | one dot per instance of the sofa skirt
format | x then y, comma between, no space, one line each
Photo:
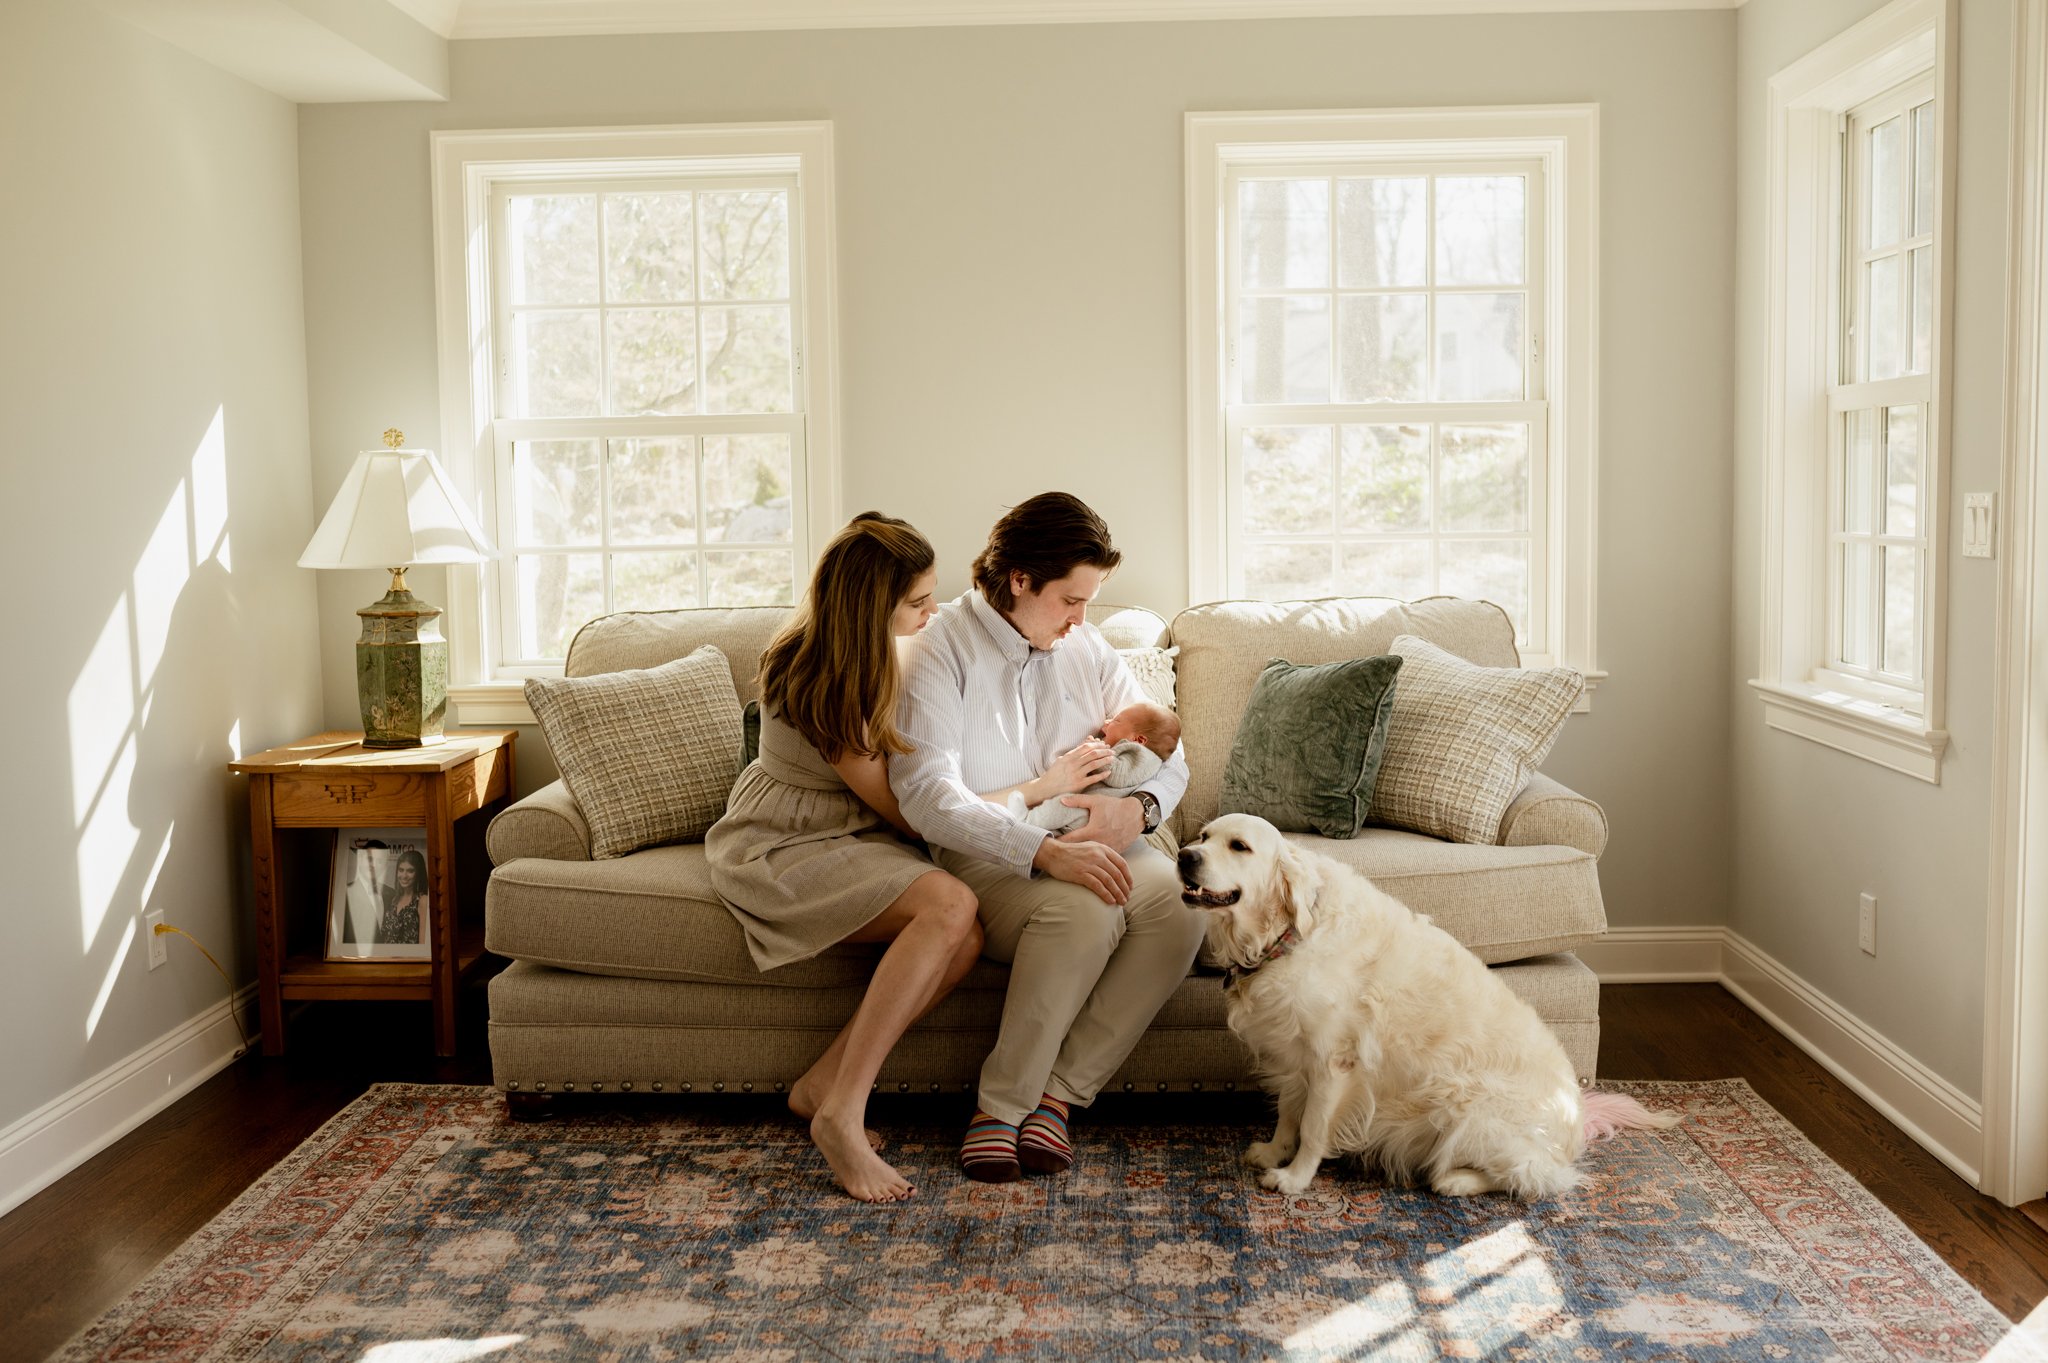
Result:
562,1031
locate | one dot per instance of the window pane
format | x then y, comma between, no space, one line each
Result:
1383,348
1923,309
1479,229
1859,472
1287,572
762,577
1479,347
1887,349
1397,568
654,493
747,489
1902,471
1383,481
747,360
653,361
553,247
1381,225
1887,182
746,243
1287,480
1283,229
558,593
1901,610
1488,570
649,253
555,491
1482,477
1855,565
1923,169
1284,350
653,582
554,364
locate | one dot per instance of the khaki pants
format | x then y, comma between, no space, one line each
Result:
1086,977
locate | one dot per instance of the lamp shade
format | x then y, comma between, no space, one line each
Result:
396,508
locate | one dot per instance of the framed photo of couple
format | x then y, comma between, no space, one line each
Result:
377,902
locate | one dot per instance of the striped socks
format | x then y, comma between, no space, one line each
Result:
989,1153
1044,1145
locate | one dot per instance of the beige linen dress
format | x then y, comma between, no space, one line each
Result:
799,858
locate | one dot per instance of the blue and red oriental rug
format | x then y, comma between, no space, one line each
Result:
422,1225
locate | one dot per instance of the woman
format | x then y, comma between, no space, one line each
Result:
808,853
408,902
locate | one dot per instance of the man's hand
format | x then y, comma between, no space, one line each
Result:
1117,820
1088,864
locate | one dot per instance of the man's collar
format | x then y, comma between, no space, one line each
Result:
1009,642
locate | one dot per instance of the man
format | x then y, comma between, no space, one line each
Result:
1002,691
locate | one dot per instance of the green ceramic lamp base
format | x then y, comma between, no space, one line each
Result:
401,670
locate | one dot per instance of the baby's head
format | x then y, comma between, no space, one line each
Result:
1157,727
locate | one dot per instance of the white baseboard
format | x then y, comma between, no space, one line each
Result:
70,1129
1927,1107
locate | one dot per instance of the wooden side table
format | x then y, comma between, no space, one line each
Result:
299,794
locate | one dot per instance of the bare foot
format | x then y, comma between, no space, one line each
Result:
859,1170
806,1094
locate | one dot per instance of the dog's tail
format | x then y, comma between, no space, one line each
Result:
1607,1113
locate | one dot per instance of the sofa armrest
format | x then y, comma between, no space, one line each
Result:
1547,813
546,824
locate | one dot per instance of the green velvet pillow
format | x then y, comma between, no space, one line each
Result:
1308,749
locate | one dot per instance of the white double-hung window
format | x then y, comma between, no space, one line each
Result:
1391,361
1852,645
637,376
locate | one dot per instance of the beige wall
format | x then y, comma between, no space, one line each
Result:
1816,827
154,384
1010,227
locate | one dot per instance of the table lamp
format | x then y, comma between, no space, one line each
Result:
396,508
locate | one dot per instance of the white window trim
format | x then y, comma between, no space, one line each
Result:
1565,138
1803,225
465,167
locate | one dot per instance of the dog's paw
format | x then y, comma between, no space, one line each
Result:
1462,1183
1268,1154
1287,1180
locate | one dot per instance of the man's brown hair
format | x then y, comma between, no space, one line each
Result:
1044,538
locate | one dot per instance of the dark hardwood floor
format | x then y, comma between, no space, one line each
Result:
75,1249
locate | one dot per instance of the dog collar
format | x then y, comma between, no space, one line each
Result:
1286,942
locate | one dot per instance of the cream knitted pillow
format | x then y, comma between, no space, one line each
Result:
649,755
1463,740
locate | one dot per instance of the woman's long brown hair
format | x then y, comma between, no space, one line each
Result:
831,673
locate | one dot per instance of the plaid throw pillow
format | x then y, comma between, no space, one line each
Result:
649,755
1463,740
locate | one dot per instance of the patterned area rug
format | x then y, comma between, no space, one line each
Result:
422,1225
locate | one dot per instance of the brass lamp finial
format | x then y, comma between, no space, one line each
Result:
393,438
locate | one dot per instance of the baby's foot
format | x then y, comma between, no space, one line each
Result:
855,1165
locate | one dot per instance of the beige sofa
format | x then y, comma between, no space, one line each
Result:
628,975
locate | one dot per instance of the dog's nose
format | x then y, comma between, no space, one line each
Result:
1189,859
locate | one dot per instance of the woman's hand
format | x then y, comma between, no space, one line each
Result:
1085,764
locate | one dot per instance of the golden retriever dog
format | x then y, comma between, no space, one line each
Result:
1380,1035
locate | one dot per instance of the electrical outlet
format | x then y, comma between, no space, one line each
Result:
1866,924
153,925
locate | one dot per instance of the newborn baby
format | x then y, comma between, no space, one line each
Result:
1142,737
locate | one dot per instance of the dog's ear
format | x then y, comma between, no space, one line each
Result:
1301,886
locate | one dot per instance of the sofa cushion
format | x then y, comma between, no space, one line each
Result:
1224,645
1308,748
641,639
649,753
1464,739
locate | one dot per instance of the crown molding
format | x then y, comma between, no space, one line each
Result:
574,18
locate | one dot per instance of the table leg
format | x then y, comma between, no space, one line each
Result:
270,933
446,910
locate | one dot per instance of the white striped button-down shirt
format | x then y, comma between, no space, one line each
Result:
985,710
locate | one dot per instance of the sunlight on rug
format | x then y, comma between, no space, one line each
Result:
422,1225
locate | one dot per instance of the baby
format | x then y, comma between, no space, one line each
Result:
1142,737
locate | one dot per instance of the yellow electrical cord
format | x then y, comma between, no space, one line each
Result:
233,1012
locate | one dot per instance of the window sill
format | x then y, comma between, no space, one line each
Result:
489,704
1861,728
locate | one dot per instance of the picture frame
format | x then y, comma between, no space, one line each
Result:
379,906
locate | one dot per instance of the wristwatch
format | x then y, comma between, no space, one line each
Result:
1151,804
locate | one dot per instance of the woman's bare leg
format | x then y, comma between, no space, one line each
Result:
930,928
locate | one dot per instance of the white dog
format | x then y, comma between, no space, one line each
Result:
1380,1034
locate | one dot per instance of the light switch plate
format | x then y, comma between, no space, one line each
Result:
1980,524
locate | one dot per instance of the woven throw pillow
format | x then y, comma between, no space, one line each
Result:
649,755
1153,667
1308,748
1463,740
